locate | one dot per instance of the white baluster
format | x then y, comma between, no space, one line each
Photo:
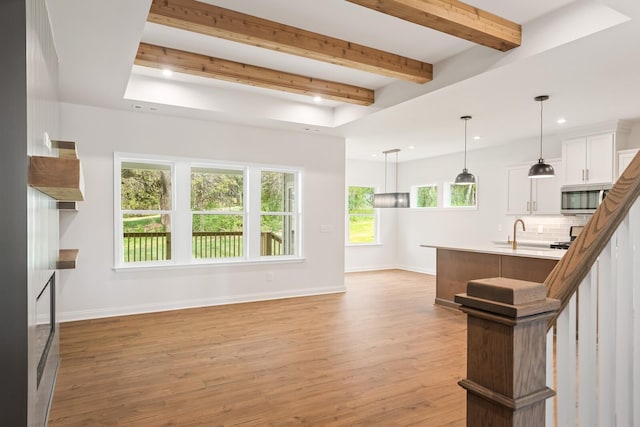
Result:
606,336
566,360
550,403
624,330
587,347
634,233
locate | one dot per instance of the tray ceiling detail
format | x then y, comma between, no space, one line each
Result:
205,66
454,18
216,21
451,17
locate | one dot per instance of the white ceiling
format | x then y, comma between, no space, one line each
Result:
584,54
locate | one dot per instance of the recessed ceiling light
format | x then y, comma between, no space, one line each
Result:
561,121
374,155
411,147
477,137
137,106
317,99
167,72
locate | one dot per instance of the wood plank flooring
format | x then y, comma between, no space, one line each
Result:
380,354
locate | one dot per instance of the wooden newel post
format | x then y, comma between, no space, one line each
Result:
506,351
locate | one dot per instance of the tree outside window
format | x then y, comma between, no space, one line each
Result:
217,206
145,203
361,215
460,196
279,213
425,196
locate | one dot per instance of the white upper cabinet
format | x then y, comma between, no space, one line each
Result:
590,155
518,190
538,196
589,160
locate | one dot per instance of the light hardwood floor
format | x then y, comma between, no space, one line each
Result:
380,354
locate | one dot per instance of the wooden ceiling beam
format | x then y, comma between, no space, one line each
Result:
455,18
215,21
149,55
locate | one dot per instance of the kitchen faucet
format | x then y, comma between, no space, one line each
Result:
515,242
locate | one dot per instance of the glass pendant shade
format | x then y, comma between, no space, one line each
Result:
541,169
391,200
464,177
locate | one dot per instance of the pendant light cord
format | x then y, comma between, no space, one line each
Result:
465,144
541,102
385,172
396,187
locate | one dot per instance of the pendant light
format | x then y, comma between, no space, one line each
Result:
541,169
391,200
464,177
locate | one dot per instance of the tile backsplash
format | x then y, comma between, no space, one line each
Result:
546,228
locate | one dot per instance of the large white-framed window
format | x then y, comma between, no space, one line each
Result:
362,218
424,196
180,211
462,196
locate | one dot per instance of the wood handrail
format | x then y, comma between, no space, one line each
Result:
564,279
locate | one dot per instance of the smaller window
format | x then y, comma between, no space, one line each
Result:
460,196
424,196
361,215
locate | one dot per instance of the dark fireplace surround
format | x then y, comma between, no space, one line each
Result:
45,323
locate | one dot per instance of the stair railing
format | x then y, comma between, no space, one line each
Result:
592,341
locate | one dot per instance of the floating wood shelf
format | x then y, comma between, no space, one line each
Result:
68,206
67,259
60,178
66,149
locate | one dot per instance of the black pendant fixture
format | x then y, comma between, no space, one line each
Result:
464,177
541,169
391,200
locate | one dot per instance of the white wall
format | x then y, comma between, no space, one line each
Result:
456,227
94,289
375,256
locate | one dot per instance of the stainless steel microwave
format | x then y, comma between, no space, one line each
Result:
582,199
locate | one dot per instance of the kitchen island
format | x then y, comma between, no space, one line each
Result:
455,266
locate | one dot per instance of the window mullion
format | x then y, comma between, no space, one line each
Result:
181,231
253,212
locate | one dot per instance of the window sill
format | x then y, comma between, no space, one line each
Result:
461,208
156,267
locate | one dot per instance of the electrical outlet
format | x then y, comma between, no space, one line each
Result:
540,229
499,227
270,276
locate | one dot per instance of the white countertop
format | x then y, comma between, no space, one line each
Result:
504,249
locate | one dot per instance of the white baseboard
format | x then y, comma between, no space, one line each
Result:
390,267
418,270
370,268
70,316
